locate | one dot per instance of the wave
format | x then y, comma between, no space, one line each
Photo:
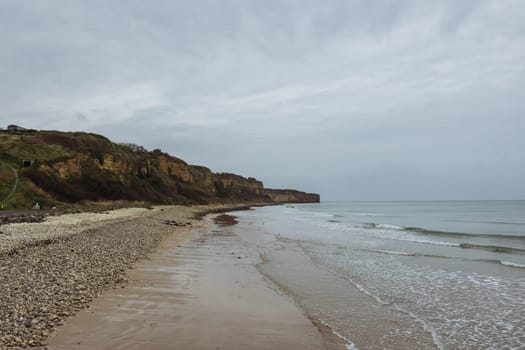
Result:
389,227
391,252
381,226
418,235
519,223
492,248
493,261
424,231
422,241
502,262
349,344
462,234
496,222
367,214
427,327
511,264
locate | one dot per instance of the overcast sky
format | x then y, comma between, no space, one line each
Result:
359,100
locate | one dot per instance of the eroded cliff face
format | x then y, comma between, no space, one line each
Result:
291,196
75,166
172,166
235,186
91,167
64,169
203,178
156,177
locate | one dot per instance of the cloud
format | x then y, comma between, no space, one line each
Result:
289,91
81,117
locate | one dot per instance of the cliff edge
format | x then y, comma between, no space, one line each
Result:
291,196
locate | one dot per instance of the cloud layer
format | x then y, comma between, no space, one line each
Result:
353,99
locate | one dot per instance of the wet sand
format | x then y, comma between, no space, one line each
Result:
200,290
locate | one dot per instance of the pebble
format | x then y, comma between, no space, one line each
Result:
45,281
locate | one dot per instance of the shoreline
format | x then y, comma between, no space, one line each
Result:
332,340
197,291
51,278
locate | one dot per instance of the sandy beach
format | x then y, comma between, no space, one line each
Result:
142,279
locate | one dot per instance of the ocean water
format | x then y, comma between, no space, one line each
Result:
400,275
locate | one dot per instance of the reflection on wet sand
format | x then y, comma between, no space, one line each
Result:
200,291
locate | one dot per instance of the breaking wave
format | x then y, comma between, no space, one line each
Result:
423,231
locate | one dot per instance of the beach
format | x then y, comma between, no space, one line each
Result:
310,276
144,279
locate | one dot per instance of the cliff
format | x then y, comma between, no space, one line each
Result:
62,167
291,196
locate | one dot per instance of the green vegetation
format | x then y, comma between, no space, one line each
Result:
16,147
6,183
27,195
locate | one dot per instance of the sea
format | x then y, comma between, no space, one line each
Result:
399,275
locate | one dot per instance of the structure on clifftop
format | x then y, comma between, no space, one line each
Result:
13,127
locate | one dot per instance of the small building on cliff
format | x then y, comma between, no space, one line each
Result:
13,127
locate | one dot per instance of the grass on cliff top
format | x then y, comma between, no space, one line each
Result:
49,146
6,180
56,145
15,147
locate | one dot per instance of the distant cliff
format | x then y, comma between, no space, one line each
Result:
74,167
291,196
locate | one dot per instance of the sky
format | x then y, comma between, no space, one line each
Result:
355,100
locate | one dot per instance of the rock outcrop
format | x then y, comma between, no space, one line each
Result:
291,196
238,187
